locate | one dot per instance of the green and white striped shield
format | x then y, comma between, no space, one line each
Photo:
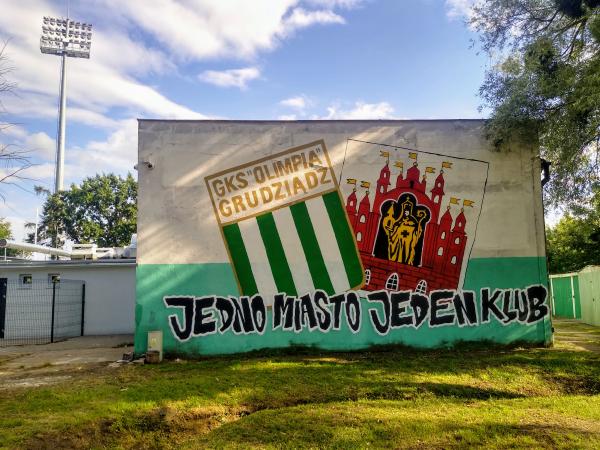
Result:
285,226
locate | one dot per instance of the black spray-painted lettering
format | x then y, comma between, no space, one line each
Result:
202,316
440,301
466,311
382,327
353,311
525,306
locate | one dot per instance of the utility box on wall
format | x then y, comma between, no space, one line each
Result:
338,235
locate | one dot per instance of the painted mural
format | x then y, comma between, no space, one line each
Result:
284,224
382,256
415,228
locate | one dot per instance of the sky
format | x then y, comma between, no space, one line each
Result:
225,59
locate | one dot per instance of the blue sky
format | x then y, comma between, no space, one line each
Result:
235,59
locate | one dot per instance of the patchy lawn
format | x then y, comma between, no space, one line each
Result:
401,398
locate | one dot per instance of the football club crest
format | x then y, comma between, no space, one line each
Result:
285,226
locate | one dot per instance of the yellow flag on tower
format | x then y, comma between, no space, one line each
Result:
399,164
384,154
446,165
454,200
468,203
412,155
365,184
429,170
351,181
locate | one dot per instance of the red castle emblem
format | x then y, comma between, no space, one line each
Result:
404,244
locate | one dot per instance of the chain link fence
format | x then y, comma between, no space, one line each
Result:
40,312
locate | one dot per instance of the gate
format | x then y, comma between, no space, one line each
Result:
564,291
40,312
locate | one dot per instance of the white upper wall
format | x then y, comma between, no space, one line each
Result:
176,222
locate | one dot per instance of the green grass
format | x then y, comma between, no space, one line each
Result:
398,398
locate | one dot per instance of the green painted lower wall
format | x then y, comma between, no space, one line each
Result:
155,281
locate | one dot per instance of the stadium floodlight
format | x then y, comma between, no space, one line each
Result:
64,38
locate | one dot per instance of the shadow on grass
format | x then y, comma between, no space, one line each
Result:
214,395
391,425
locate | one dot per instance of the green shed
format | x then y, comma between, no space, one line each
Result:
564,289
589,287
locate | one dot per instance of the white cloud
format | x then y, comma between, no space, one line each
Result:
118,153
199,29
299,102
301,18
456,9
287,117
42,145
361,110
331,4
230,78
12,130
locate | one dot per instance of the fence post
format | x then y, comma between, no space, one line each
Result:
3,284
53,307
82,306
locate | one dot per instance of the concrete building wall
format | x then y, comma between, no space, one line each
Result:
191,246
110,291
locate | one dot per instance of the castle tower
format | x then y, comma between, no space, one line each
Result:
423,185
437,193
351,207
412,176
441,243
384,180
400,177
362,222
456,246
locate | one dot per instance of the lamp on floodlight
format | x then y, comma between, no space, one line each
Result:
64,38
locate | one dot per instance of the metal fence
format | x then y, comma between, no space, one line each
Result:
39,311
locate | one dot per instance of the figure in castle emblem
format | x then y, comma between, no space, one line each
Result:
403,229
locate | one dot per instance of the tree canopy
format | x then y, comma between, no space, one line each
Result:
546,84
573,242
101,210
6,233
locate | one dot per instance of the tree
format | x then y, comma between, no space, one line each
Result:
573,242
6,233
102,210
547,85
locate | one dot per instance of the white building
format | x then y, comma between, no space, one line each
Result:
109,288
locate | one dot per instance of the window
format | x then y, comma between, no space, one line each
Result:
53,278
358,236
25,280
453,260
421,287
457,240
443,235
392,282
440,251
363,219
367,276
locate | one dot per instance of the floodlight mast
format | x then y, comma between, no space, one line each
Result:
64,38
